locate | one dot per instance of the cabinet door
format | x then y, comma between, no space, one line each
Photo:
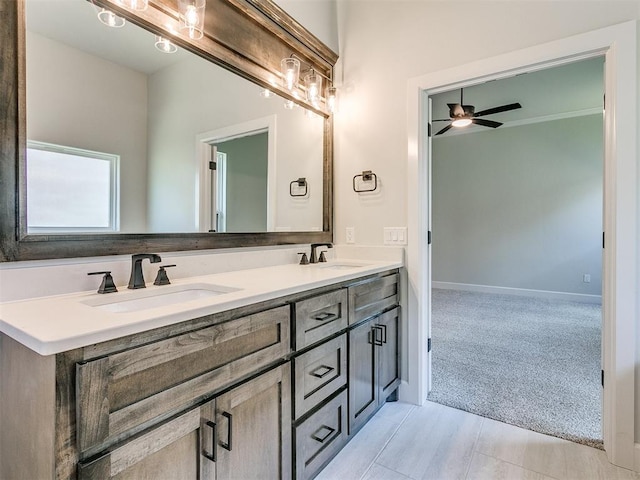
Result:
178,449
254,428
388,324
363,390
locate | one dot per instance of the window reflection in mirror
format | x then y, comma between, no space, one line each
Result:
101,89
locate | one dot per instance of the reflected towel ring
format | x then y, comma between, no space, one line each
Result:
301,182
367,176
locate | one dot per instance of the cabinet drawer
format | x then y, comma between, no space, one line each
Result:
320,316
319,373
321,436
123,393
372,297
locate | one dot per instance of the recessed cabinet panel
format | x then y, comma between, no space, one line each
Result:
319,373
320,437
389,352
128,391
320,316
254,428
372,296
172,450
363,371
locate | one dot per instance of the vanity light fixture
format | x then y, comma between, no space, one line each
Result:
290,67
313,83
110,19
137,5
165,45
192,17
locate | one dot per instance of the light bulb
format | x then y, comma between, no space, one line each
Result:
289,104
332,99
313,82
266,93
110,19
138,5
165,45
192,17
290,68
461,122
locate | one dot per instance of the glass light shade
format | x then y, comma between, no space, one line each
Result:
289,104
137,5
165,45
266,93
313,82
332,99
110,19
461,122
192,17
290,73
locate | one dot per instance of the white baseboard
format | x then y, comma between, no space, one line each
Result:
636,456
573,297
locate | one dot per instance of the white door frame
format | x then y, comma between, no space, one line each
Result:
203,155
620,258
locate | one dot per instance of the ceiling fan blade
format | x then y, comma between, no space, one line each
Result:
442,120
455,109
445,129
503,108
486,123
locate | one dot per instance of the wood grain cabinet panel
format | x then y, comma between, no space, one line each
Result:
374,365
319,373
319,317
320,437
177,449
372,296
125,392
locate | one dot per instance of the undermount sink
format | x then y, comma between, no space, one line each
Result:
157,297
341,266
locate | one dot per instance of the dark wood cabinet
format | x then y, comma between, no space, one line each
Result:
374,365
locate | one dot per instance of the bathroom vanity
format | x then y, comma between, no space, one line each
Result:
267,379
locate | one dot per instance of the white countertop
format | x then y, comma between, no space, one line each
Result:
51,325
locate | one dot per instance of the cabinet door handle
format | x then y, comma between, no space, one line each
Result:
319,438
322,371
211,456
325,316
377,341
228,446
384,332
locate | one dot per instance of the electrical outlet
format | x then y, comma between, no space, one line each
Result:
586,278
350,235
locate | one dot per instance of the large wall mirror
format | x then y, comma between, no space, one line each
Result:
132,138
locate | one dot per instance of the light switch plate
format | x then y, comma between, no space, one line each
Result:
395,235
350,235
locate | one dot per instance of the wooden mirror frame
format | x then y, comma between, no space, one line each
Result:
247,37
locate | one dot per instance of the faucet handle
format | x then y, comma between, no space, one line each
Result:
162,278
304,260
107,285
322,258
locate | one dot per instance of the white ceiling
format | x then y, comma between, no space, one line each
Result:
559,92
75,23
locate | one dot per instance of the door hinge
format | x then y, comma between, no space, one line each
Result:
428,345
602,377
602,239
428,130
429,237
212,165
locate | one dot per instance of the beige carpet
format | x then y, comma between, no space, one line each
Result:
530,362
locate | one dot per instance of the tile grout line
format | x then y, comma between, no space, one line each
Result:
413,407
475,445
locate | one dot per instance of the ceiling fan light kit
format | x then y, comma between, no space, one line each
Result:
461,115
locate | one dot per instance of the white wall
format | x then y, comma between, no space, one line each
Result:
80,100
317,16
520,207
384,43
193,97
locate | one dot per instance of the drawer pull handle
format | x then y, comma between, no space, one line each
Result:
324,316
384,332
320,439
228,446
377,341
211,456
322,371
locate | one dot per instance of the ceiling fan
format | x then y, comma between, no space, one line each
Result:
462,115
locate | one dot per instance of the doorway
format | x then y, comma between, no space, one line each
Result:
618,45
517,251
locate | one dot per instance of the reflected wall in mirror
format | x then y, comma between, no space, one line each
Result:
164,121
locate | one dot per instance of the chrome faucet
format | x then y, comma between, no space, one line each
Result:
136,280
314,256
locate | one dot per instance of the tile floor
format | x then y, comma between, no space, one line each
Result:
435,442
